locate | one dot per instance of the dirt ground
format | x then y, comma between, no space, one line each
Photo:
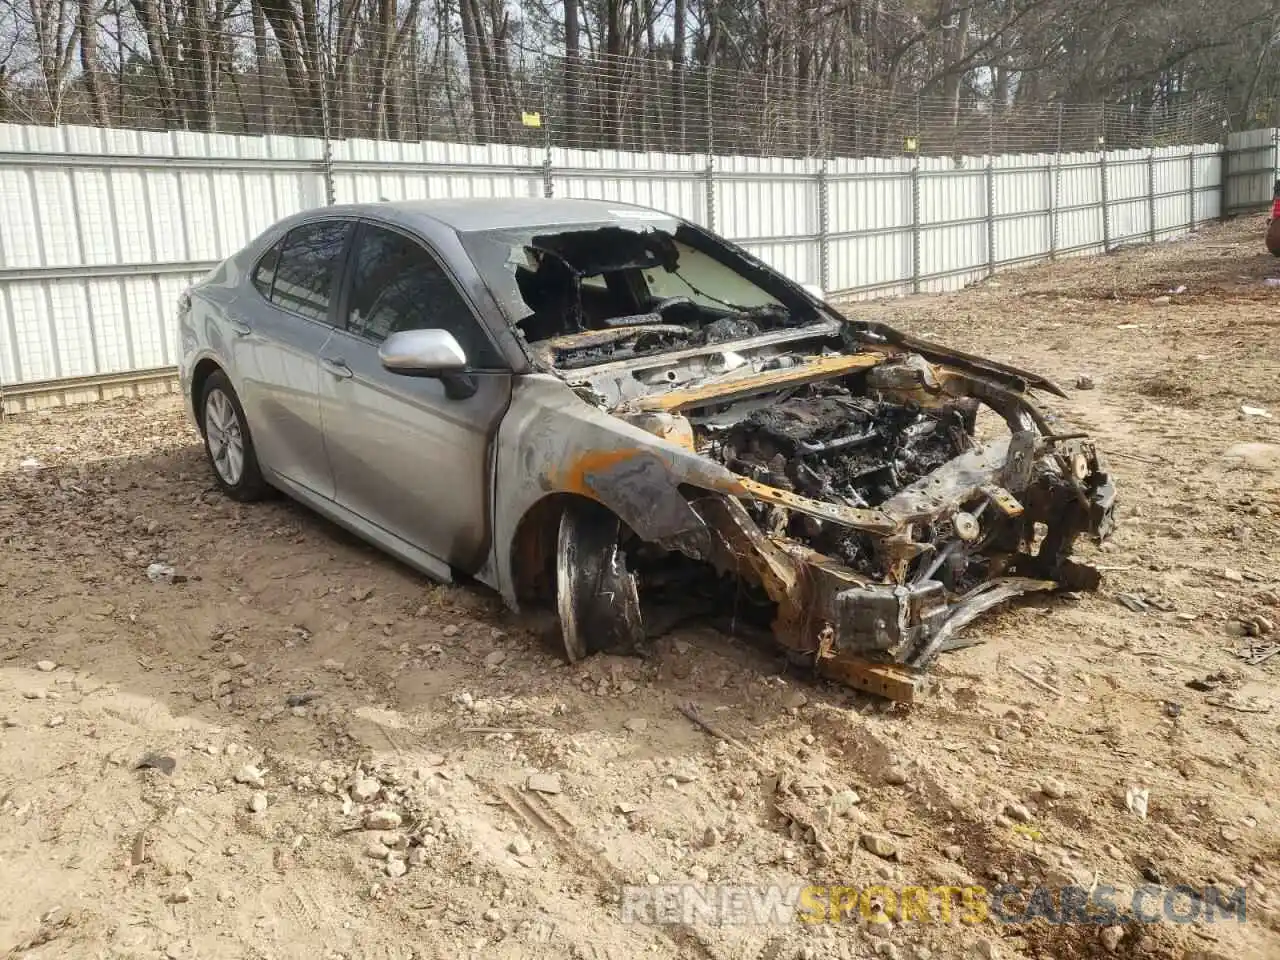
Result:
340,684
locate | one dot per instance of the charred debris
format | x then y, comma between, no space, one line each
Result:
935,524
593,298
825,442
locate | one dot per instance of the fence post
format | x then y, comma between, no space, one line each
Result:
327,155
1055,187
915,225
710,172
824,228
1106,204
991,215
1271,178
709,176
1191,189
1275,157
1224,182
1151,194
990,176
548,185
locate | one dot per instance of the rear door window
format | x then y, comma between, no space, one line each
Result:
305,277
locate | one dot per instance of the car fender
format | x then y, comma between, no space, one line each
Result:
552,442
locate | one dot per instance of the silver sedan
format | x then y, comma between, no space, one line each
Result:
618,414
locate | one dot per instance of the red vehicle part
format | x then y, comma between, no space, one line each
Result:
1273,224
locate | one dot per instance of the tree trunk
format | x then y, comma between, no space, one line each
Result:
294,52
344,119
401,35
260,56
680,29
611,95
148,15
956,48
572,41
385,29
1256,75
315,65
474,49
89,61
199,66
497,65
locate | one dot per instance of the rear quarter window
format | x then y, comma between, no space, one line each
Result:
264,274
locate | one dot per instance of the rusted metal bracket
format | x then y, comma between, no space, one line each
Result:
1006,502
894,682
732,388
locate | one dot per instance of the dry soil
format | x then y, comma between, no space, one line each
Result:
339,684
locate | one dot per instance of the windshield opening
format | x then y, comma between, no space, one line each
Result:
595,293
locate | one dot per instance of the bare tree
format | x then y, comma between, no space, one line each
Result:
788,76
55,37
88,25
296,26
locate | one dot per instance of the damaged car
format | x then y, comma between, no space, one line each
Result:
615,414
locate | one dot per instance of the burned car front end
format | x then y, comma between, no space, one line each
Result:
866,506
863,493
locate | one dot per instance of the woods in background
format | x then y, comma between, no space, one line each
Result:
779,77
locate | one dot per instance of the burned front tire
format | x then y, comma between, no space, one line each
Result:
596,593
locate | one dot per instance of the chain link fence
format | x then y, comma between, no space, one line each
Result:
260,72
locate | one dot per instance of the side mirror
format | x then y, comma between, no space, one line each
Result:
422,353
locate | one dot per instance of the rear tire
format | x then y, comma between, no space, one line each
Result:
227,441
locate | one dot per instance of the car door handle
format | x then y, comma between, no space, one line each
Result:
240,328
336,368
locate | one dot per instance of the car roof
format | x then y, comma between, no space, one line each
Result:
493,213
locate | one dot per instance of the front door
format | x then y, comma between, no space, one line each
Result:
405,455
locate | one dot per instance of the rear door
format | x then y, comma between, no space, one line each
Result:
411,454
276,354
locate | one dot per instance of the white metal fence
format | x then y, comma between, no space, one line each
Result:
1252,164
101,229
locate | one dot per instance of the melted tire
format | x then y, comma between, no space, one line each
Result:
596,594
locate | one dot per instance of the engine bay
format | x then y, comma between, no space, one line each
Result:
827,442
